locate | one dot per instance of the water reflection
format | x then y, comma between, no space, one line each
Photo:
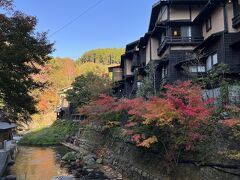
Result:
34,163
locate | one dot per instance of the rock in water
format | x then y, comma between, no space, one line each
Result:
63,178
70,156
10,177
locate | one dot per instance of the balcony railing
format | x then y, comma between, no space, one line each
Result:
179,41
236,21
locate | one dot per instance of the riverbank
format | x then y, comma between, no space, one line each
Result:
50,136
95,145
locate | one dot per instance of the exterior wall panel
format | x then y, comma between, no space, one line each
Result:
148,52
154,50
180,12
217,23
230,15
117,74
195,11
232,55
163,14
128,65
174,73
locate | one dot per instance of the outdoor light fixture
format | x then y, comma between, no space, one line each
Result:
175,33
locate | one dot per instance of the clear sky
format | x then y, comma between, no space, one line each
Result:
112,23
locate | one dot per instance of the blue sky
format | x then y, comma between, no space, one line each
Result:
113,23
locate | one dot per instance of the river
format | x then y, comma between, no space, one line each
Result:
34,163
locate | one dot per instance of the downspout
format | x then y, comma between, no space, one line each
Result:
150,49
225,30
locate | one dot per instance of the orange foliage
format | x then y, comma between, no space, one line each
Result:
230,122
182,105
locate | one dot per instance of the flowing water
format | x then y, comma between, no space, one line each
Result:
35,163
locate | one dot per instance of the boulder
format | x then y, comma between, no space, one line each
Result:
70,156
99,161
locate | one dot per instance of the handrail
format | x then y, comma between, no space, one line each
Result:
181,39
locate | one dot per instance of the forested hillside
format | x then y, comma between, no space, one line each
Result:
60,73
103,56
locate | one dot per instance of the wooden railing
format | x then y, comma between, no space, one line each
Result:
179,40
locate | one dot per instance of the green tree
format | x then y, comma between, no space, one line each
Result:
88,87
148,87
95,68
103,56
22,54
6,4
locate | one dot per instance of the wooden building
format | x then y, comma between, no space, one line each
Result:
8,146
177,30
117,78
6,134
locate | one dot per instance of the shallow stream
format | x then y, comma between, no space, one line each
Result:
34,163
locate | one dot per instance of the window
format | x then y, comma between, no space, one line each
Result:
139,84
176,31
201,69
164,71
193,69
211,61
208,24
197,69
214,59
186,31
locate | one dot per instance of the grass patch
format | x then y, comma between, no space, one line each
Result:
50,136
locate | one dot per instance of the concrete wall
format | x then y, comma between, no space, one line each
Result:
233,94
217,17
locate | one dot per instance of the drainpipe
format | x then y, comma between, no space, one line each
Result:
150,49
225,30
225,14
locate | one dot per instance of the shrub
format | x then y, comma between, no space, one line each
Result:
175,122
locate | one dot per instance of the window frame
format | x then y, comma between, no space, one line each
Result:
208,24
197,68
164,71
211,56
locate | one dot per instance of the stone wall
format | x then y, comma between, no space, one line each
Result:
233,94
137,164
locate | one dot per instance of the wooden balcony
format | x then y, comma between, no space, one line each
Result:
236,21
179,41
184,1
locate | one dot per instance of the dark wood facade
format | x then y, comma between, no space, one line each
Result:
178,29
